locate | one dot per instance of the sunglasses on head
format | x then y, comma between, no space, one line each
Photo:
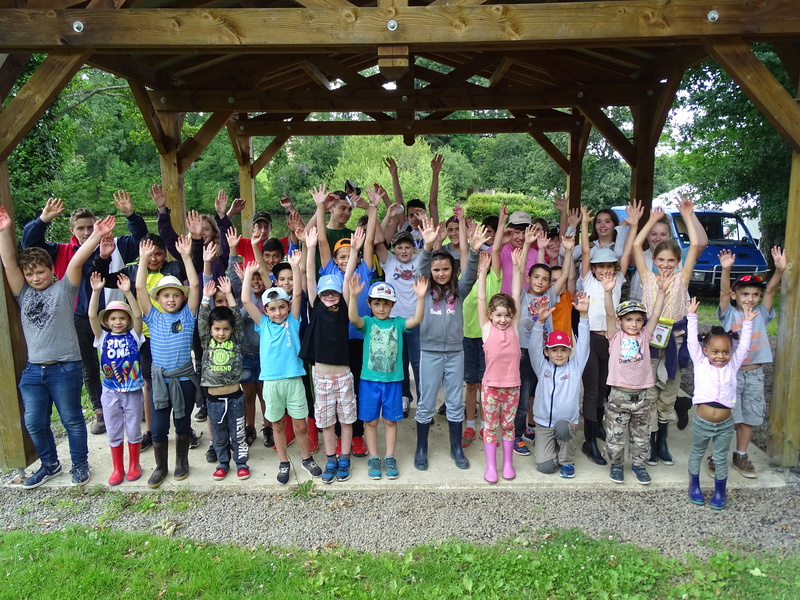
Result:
746,278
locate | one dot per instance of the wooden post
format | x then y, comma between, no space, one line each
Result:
643,170
247,188
578,140
16,448
171,176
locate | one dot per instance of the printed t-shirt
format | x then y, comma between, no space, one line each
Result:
383,349
401,275
760,351
120,360
629,361
47,322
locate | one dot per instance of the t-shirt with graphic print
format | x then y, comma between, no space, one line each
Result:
629,361
529,306
401,275
47,322
222,361
120,360
383,349
760,351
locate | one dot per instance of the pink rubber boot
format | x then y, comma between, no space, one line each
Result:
508,457
490,474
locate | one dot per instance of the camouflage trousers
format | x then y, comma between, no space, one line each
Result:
627,415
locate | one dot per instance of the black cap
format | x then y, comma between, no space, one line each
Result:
262,216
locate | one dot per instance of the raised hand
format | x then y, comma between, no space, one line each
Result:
421,287
686,206
355,285
287,204
692,306
484,262
664,280
542,240
97,282
123,283
560,203
374,196
726,259
478,238
502,215
122,200
209,289
635,210
52,208
294,258
581,302
319,193
194,224
436,163
609,281
517,260
221,203
250,268
107,245
237,268
458,212
430,232
224,285
586,214
233,238
545,310
530,235
294,221
656,214
209,252
390,164
357,239
184,246
257,238
311,237
574,218
237,206
146,249
779,258
395,209
158,196
6,222
749,313
568,241
105,226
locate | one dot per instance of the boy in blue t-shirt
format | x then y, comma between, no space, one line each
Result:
281,367
380,389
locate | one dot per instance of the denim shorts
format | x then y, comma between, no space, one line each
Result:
251,368
474,360
750,403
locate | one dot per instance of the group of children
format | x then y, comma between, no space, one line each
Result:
325,321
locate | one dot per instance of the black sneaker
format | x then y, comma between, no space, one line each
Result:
194,442
201,415
311,467
283,472
442,409
44,474
211,454
250,435
642,476
147,440
269,441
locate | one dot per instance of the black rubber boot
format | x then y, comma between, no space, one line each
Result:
682,406
421,455
661,443
456,453
160,451
601,431
652,460
590,448
181,471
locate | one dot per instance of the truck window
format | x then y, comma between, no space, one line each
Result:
720,228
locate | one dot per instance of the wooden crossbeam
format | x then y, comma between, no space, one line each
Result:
419,127
425,100
193,146
140,95
544,25
35,96
11,65
611,132
552,150
761,87
268,154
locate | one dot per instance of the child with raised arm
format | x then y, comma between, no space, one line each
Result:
630,329
748,412
557,407
53,371
715,370
380,391
221,332
499,321
175,380
282,369
325,345
667,258
118,336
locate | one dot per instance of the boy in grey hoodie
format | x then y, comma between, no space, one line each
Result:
557,408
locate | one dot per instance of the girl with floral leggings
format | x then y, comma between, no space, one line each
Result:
500,392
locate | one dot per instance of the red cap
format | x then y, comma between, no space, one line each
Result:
558,338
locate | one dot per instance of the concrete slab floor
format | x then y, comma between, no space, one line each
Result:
441,475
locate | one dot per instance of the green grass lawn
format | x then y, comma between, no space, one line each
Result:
101,563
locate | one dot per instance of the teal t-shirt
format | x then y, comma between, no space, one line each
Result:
280,349
383,349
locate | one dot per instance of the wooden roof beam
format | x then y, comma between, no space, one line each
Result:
11,66
543,25
424,100
418,127
193,146
547,144
618,140
150,116
761,87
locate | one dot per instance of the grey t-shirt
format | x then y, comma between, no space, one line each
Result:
529,314
47,322
760,351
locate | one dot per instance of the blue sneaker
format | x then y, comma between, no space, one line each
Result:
343,469
530,433
391,467
617,473
44,474
568,471
329,474
642,476
520,447
80,473
374,470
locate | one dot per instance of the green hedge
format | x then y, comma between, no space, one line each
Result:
479,206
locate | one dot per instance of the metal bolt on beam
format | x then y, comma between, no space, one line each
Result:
713,16
650,92
230,100
404,98
77,27
580,94
163,99
391,25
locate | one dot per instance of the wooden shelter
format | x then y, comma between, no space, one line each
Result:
265,67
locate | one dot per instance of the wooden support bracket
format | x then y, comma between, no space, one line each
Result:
191,147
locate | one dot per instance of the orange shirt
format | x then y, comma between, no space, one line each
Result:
562,315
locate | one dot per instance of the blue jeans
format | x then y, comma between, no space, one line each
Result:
720,435
226,415
60,383
411,354
159,419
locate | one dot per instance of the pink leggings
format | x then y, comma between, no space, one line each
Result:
498,404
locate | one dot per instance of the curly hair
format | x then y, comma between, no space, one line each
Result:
717,331
502,300
32,257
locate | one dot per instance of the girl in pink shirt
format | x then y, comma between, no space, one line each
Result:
499,322
715,368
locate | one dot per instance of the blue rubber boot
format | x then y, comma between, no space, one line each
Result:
421,455
720,497
695,493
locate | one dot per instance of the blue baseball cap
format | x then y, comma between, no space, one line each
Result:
329,283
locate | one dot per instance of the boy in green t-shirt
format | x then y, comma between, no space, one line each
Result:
382,373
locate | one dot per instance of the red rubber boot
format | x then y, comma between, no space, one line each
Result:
134,469
118,462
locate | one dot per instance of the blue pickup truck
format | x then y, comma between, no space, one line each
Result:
726,231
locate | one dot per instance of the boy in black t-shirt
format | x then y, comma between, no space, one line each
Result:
325,344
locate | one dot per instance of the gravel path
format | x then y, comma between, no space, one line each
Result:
766,519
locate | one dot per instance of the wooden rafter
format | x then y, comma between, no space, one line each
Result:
618,140
191,147
161,141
